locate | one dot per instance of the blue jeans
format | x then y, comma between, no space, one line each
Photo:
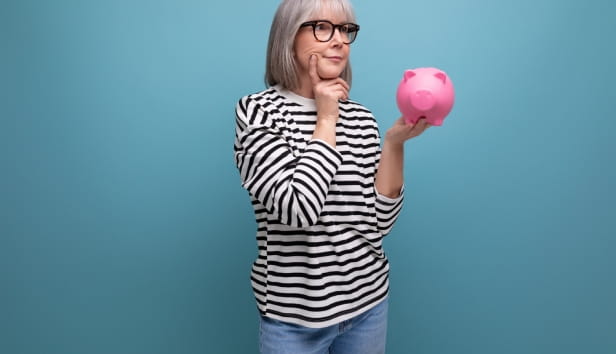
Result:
364,334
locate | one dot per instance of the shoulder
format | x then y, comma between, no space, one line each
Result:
262,108
261,100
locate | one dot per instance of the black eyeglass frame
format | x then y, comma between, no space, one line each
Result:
352,26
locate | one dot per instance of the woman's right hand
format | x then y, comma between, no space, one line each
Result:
327,93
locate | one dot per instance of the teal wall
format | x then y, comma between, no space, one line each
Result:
124,228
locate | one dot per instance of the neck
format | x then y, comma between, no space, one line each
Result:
305,87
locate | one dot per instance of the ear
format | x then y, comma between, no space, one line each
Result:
408,74
441,76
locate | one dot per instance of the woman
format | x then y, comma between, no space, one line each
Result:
324,192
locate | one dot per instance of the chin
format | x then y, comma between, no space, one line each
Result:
330,74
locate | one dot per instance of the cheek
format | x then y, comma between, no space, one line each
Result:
303,53
302,45
305,45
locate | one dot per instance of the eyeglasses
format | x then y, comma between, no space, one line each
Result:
324,30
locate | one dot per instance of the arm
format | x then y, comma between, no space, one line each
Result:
389,180
389,177
293,188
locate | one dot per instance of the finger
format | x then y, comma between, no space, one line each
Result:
411,130
344,92
344,84
339,94
336,82
420,127
314,75
336,89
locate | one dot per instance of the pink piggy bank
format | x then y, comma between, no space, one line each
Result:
425,93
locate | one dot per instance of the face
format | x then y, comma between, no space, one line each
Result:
332,55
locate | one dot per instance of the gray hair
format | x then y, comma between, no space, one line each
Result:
280,67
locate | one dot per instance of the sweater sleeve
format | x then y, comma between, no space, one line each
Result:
387,209
293,188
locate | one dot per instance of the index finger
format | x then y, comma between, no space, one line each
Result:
314,75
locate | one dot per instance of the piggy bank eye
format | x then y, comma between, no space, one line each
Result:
441,76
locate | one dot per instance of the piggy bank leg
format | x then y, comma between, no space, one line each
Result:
437,122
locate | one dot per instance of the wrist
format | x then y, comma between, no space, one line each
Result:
393,143
327,120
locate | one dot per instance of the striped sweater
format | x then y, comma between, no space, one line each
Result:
320,220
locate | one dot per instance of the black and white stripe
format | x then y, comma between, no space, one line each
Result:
320,221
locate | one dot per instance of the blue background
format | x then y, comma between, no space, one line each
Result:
124,228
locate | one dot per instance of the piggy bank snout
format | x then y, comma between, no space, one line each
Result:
423,100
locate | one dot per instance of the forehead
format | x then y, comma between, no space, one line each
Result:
334,11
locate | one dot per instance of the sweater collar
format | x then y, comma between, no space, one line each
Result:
292,96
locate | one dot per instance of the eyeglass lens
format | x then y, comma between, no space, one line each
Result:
324,31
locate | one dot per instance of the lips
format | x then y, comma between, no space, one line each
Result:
334,58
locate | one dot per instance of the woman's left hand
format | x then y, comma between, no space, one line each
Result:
402,131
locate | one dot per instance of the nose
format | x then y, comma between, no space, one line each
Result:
338,38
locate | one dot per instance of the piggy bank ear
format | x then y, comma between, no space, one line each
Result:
408,74
441,76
